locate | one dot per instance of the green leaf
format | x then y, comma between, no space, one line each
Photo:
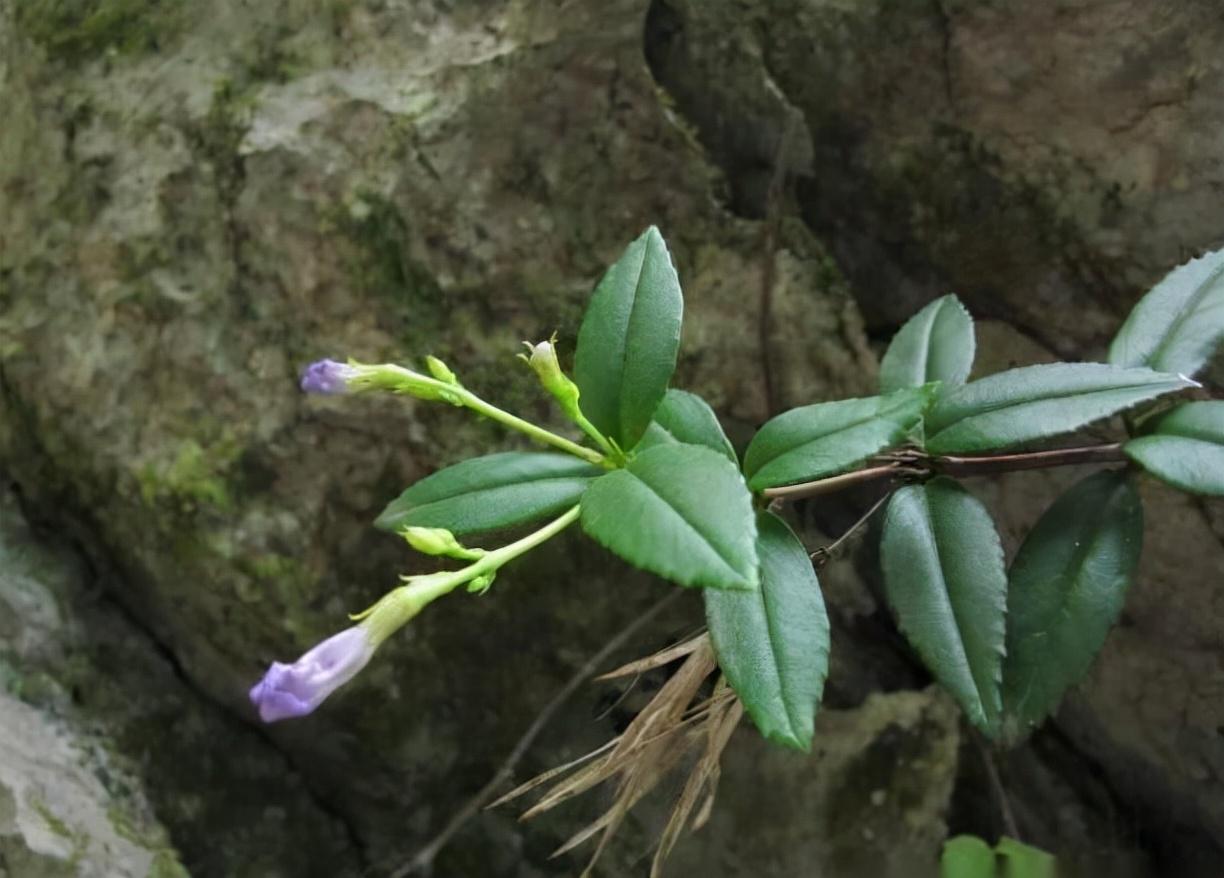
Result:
1185,448
1024,861
681,511
1176,327
491,492
628,340
1067,586
1034,402
936,344
830,437
773,643
684,417
944,577
967,856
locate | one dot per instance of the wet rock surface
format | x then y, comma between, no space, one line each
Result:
201,198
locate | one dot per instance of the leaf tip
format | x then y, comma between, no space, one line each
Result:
652,237
801,743
742,583
388,520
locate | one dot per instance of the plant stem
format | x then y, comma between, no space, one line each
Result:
425,857
397,379
1010,826
833,483
824,554
591,430
919,465
986,464
399,605
478,405
493,560
533,539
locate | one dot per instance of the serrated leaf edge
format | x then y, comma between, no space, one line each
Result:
979,716
924,394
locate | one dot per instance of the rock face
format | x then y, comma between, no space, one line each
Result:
56,818
104,742
1049,164
200,198
872,795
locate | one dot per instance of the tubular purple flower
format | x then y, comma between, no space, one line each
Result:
297,689
328,377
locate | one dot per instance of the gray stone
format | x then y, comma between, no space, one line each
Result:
873,796
96,719
201,198
56,818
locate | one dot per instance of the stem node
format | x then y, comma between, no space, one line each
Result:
909,464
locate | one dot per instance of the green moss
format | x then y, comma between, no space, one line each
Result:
77,30
10,679
60,828
196,476
165,862
376,226
218,139
38,688
123,826
271,566
272,62
166,865
380,265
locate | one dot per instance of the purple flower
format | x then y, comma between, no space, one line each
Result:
297,689
327,376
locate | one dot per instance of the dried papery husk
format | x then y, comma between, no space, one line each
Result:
673,728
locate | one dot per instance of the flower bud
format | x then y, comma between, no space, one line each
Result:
438,541
397,379
481,583
543,361
331,377
295,690
328,377
440,370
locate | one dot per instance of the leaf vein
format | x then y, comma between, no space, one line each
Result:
1185,311
676,512
787,707
946,595
624,336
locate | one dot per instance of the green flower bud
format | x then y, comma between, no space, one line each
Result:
543,360
397,379
438,541
481,584
441,371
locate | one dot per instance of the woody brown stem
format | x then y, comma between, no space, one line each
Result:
918,465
